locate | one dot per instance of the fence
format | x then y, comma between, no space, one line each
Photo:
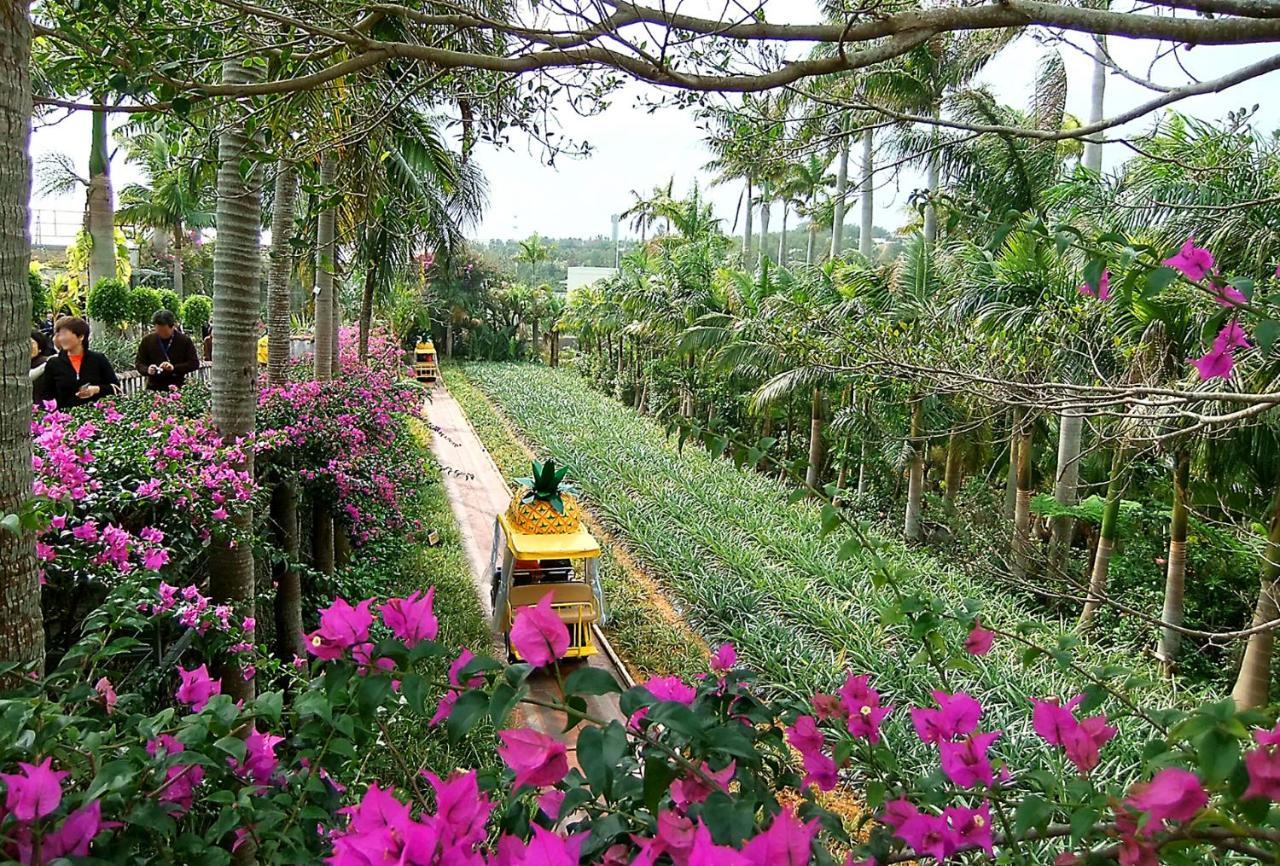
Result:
131,381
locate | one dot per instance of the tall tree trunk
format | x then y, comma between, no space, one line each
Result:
933,172
284,521
842,189
1022,502
817,448
1097,103
747,261
325,270
1106,542
915,480
100,207
782,241
765,207
281,274
866,192
1011,480
322,551
1066,483
448,337
341,546
1176,566
179,282
236,262
21,623
810,248
537,345
366,312
954,474
1253,684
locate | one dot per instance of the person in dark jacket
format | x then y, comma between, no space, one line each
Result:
77,375
166,355
41,351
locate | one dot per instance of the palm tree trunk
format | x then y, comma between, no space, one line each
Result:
746,228
1011,480
235,376
448,337
1253,683
867,193
366,311
817,448
1022,502
21,623
842,189
782,241
341,546
915,480
813,242
764,226
280,275
954,474
178,277
1067,479
1106,542
325,270
1176,568
99,207
1097,101
934,181
284,521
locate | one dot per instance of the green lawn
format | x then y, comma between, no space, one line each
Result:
743,565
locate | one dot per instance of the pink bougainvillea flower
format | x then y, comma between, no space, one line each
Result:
971,828
1215,364
460,807
1052,721
675,838
538,634
1263,764
955,716
787,842
819,767
965,762
1194,262
1102,291
537,759
979,641
1227,295
107,692
724,659
693,789
411,619
34,791
550,849
549,803
450,697
155,559
1232,336
861,704
706,852
196,687
827,707
77,832
260,762
927,835
341,627
1173,794
671,688
1084,743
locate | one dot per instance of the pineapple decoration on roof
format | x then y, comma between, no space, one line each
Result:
545,505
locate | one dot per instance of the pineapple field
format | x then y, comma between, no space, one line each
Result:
742,564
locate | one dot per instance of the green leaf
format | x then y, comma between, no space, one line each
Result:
1265,332
503,701
1218,754
1093,271
591,681
658,776
1033,811
114,776
12,524
1158,280
466,713
591,759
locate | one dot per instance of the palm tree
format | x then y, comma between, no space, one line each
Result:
532,253
21,623
809,182
235,312
281,273
173,196
326,269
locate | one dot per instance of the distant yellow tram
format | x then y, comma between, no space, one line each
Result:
426,367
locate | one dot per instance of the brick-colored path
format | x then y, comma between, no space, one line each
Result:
477,492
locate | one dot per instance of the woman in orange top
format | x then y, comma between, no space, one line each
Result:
77,375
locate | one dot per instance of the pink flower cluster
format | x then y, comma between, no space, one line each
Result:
346,629
33,794
1082,740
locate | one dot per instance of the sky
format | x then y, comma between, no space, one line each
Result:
633,149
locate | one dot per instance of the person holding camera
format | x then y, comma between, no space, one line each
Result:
76,375
166,355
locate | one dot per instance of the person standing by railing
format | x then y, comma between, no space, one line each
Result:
76,375
166,355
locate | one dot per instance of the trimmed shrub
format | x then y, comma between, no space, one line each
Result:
197,311
145,302
39,296
110,301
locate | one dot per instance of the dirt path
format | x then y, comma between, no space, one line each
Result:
477,492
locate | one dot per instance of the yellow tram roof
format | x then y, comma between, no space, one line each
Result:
569,545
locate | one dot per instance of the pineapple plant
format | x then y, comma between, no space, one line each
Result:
545,505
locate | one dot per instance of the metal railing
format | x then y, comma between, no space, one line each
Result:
131,381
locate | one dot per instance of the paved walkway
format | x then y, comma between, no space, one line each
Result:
477,492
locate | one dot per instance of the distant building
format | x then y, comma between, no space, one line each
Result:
579,277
